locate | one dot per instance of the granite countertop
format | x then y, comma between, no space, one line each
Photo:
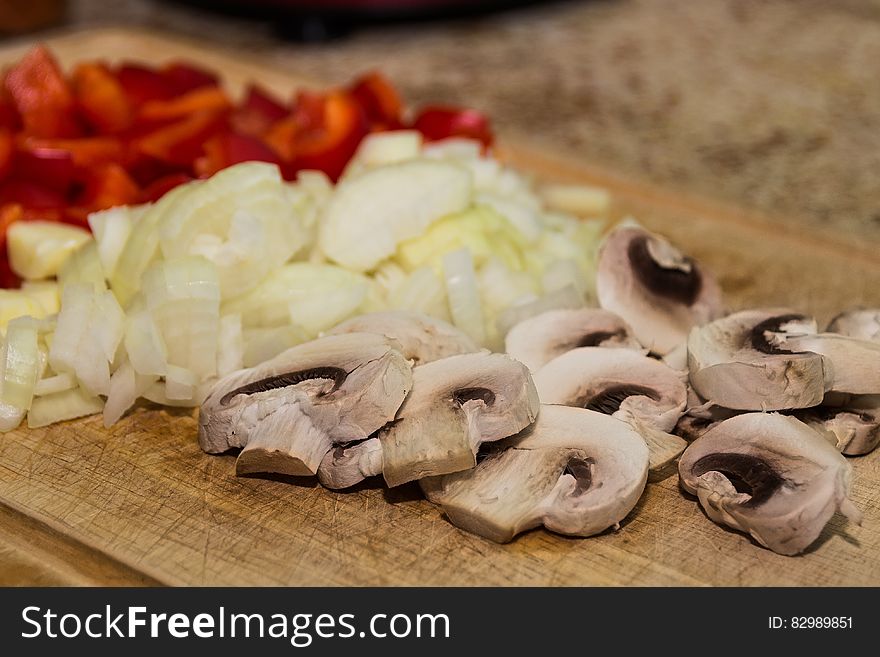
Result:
770,104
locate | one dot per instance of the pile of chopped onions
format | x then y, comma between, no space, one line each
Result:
227,272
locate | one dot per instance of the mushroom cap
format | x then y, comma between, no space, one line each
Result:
349,464
289,411
851,365
457,403
769,475
540,339
862,323
615,382
422,338
737,362
660,292
575,471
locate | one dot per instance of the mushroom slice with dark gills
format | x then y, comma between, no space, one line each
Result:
422,338
577,472
625,384
540,339
769,475
773,359
853,428
862,323
659,291
456,404
287,413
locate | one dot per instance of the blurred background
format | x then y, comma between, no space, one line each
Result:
768,104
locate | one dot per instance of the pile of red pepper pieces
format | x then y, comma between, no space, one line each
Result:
112,135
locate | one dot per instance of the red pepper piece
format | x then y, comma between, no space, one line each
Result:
329,144
379,99
229,148
48,167
180,143
158,188
207,99
258,112
8,278
182,78
32,196
107,186
42,96
442,122
101,98
86,152
7,151
9,118
142,84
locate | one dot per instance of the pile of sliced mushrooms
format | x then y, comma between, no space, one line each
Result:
755,409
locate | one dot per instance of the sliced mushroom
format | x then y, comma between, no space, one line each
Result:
456,404
862,323
626,385
287,413
853,428
769,475
659,291
575,471
735,362
851,365
540,339
349,464
423,338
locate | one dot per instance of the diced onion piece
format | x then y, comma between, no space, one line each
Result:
564,273
157,394
144,344
241,219
261,344
83,266
126,386
183,296
46,293
581,200
17,303
20,363
180,383
111,229
230,350
422,291
463,295
380,148
38,249
314,296
501,287
89,330
369,215
522,216
67,405
53,384
142,245
10,417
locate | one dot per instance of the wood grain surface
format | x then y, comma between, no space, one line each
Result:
140,504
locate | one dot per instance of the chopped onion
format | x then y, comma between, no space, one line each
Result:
463,295
17,303
183,296
261,344
83,266
126,386
10,417
230,350
581,200
566,297
180,383
422,291
144,344
20,363
157,394
46,293
67,405
111,229
56,383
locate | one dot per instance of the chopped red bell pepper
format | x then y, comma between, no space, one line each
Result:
85,152
142,84
328,143
379,99
206,99
42,96
7,152
48,167
32,196
9,118
182,78
107,186
180,143
230,148
258,112
443,122
101,98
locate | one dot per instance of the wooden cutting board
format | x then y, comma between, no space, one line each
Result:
141,504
